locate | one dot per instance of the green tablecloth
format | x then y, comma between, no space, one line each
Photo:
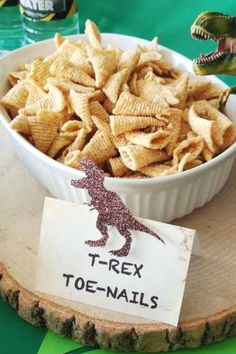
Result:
170,20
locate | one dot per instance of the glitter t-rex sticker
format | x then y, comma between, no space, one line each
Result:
111,210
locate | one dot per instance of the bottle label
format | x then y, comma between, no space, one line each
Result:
8,3
47,10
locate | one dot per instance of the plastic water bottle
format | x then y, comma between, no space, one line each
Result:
41,19
11,33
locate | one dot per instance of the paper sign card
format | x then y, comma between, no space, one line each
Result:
149,282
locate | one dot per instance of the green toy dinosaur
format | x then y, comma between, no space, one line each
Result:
222,29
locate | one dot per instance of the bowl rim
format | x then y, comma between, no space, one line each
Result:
113,180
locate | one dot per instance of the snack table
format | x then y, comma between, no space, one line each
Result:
170,20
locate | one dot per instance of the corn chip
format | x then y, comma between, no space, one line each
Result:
135,156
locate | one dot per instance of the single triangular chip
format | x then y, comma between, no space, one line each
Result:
104,64
151,91
64,51
100,147
20,124
206,110
136,156
155,140
44,128
122,124
58,39
80,104
129,104
16,97
71,128
63,68
128,60
187,151
93,33
67,49
209,123
54,101
39,72
204,128
113,84
80,59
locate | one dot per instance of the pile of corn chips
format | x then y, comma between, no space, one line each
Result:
129,111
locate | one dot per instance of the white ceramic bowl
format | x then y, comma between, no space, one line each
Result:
162,198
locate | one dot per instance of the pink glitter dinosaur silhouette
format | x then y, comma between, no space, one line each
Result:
111,209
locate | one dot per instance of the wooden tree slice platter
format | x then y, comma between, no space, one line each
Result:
209,305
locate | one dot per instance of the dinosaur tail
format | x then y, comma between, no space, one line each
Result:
143,228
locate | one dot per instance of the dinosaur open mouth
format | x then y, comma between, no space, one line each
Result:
226,45
211,57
